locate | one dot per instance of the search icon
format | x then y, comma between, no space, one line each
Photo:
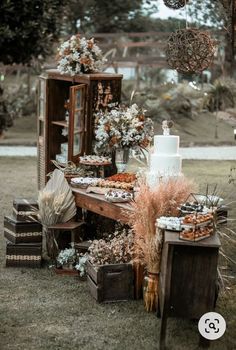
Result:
212,326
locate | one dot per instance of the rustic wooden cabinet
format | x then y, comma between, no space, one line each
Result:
188,278
66,106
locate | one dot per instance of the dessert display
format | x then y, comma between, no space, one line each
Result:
197,219
83,182
196,234
192,227
165,161
193,207
169,223
94,160
123,177
118,196
114,184
197,226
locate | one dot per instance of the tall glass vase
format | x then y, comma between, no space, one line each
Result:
122,158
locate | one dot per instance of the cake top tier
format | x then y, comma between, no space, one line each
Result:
168,145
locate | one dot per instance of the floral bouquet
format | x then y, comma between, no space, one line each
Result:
79,55
122,127
120,249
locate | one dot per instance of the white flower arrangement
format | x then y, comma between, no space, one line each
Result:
122,127
81,265
66,256
79,55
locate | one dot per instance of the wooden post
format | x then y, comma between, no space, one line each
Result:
137,76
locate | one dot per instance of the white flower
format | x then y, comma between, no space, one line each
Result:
128,125
74,50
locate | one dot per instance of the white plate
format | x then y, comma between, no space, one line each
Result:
209,199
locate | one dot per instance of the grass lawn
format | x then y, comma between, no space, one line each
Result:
40,310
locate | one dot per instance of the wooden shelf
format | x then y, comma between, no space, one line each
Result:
61,123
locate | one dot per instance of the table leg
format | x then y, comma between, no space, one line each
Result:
162,340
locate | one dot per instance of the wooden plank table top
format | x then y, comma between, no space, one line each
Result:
99,205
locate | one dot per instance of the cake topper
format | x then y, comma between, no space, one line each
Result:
166,126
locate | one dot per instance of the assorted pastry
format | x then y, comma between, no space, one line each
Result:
123,177
83,182
193,207
118,196
94,160
197,219
169,223
196,234
115,184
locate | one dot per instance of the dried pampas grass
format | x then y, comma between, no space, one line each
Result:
151,203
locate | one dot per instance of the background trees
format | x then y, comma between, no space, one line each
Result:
28,28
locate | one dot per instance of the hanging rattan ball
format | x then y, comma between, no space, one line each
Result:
175,4
189,51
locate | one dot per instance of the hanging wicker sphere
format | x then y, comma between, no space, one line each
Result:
189,51
175,4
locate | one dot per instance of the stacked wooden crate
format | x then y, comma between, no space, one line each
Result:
23,233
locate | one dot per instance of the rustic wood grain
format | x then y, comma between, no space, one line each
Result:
98,204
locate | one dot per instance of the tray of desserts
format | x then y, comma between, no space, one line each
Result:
197,220
196,234
170,223
123,177
114,184
83,182
193,207
95,160
118,196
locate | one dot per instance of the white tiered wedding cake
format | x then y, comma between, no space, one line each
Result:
165,161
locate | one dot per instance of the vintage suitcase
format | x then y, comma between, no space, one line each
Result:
25,209
21,231
24,255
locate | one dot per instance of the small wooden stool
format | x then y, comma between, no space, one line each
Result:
82,247
71,226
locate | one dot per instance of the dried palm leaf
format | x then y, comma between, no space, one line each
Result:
56,205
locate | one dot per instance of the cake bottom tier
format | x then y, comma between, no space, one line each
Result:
153,178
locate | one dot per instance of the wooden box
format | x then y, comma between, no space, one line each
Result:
22,232
108,283
25,209
24,255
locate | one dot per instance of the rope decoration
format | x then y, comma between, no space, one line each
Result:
175,4
189,51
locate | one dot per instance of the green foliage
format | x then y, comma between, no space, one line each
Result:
28,28
106,16
207,12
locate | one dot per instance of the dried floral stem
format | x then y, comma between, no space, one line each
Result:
150,204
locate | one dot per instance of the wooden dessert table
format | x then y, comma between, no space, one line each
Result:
99,205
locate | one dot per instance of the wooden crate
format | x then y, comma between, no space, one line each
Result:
21,231
24,255
108,283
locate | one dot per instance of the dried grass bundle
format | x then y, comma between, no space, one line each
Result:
162,200
56,205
